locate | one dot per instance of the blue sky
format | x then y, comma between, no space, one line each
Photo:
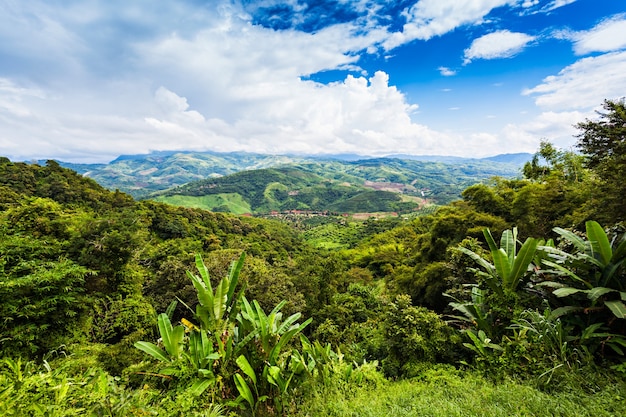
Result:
88,80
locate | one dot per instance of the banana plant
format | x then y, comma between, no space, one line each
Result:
227,324
594,269
474,311
171,337
509,265
217,308
272,332
207,344
250,395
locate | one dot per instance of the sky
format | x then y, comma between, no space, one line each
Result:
89,80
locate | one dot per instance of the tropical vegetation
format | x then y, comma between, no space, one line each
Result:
508,301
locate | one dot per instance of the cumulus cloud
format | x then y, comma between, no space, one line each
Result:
584,84
126,77
366,116
608,36
501,44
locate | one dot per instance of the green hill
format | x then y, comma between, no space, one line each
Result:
373,185
281,189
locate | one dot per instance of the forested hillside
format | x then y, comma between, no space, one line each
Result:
508,301
140,175
443,177
293,188
372,185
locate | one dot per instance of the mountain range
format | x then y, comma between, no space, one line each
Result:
243,182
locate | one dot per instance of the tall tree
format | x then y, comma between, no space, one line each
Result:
603,141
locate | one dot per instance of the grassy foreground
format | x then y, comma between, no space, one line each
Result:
442,392
28,389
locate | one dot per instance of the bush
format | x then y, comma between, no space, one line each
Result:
416,335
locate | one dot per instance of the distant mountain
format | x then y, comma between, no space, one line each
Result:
511,158
377,184
141,175
438,176
431,158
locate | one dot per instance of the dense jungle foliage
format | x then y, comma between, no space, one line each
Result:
509,301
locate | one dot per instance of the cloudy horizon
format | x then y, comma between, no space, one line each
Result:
87,81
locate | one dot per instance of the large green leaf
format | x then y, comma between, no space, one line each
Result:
572,237
503,267
599,242
152,350
200,386
243,389
245,366
522,261
274,377
178,334
500,257
508,242
165,330
204,292
598,292
564,271
619,254
203,270
262,325
490,241
233,275
201,349
285,338
564,292
561,311
479,260
617,307
219,299
288,322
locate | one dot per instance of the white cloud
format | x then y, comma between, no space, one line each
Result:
359,115
12,97
126,77
557,127
557,3
584,84
446,72
175,106
501,44
608,36
430,18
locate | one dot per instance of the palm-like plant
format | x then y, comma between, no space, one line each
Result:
509,265
220,347
502,276
594,269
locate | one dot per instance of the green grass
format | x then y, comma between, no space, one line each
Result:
450,393
76,386
231,201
